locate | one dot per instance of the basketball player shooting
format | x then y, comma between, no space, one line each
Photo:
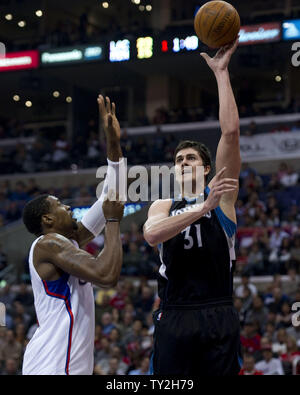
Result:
196,327
62,273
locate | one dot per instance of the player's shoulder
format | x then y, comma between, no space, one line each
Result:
52,242
160,205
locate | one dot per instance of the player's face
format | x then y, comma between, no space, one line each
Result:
189,167
62,213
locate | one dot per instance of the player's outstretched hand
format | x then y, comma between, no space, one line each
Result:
222,58
113,208
220,186
108,118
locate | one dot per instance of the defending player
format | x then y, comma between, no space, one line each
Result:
197,327
62,273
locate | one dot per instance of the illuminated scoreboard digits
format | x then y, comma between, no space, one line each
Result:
144,47
190,43
119,51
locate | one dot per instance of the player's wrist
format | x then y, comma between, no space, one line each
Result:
113,220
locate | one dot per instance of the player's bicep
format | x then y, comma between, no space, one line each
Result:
62,253
229,156
158,211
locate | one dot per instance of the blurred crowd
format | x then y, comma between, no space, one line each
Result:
51,150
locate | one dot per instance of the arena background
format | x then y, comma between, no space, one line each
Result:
145,56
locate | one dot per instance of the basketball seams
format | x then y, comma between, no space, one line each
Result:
235,19
212,25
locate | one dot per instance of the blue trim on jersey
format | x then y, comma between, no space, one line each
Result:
151,372
227,224
60,289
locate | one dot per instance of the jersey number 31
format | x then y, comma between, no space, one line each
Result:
188,239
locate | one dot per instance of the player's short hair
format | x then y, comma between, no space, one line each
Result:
199,147
202,150
33,212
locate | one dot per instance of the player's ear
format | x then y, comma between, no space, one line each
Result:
207,170
47,220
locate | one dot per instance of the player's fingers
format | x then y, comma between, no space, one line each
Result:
109,120
224,186
108,105
101,105
205,56
113,109
220,173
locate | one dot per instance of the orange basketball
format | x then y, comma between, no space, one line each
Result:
217,23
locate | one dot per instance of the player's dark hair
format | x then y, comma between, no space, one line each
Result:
33,212
202,150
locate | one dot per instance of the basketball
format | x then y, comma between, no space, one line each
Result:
217,23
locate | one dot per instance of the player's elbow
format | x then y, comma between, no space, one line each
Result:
232,134
151,238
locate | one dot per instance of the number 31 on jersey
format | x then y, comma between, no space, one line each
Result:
189,240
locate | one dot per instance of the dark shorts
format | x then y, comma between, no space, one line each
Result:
197,340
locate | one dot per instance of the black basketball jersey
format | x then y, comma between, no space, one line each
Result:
197,264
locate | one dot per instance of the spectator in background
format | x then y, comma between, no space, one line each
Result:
250,338
291,353
248,368
107,324
239,292
144,301
290,178
11,368
279,346
295,254
143,368
258,312
276,237
269,365
255,264
10,348
284,318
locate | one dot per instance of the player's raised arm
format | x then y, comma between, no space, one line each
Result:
105,269
93,221
228,152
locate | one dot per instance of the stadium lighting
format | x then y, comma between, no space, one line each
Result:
148,7
8,17
69,99
278,78
39,13
142,8
136,1
56,94
21,23
16,98
28,103
105,4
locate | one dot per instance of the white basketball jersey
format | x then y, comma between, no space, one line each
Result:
63,344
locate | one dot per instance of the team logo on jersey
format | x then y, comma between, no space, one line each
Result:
188,208
159,316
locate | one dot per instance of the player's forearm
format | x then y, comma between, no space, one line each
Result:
111,257
114,151
156,232
228,111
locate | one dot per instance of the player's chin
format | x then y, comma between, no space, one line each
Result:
74,224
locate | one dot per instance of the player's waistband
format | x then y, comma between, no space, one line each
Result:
203,304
